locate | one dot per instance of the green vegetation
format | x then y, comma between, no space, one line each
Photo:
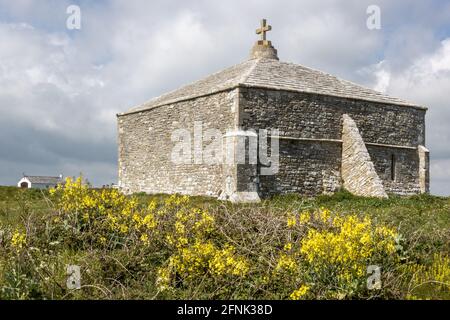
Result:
175,247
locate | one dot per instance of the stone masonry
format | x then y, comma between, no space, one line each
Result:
357,170
332,134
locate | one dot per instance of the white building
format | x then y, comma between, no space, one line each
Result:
40,182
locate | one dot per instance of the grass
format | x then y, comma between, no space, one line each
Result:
16,204
423,222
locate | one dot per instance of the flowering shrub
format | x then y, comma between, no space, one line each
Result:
347,245
108,219
195,255
202,258
335,250
101,217
157,247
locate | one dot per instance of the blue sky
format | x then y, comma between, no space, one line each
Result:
62,88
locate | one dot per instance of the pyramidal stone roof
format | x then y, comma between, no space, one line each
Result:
264,70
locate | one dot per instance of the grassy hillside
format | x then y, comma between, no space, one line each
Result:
170,247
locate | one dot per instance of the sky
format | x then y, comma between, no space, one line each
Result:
61,88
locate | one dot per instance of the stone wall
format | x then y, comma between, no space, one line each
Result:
311,120
145,147
303,115
309,168
405,162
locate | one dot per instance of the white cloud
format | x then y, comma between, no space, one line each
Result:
440,61
378,75
425,81
61,89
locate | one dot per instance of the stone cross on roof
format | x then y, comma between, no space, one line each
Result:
263,48
264,29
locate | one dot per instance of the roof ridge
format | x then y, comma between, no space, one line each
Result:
245,77
145,105
28,176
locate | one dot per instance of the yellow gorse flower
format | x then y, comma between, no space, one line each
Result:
225,261
320,240
104,212
291,220
347,246
144,238
299,293
286,263
102,240
149,221
201,258
186,229
304,217
123,228
18,240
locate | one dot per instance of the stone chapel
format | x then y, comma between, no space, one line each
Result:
331,134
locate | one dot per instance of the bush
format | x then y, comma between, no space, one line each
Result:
171,247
